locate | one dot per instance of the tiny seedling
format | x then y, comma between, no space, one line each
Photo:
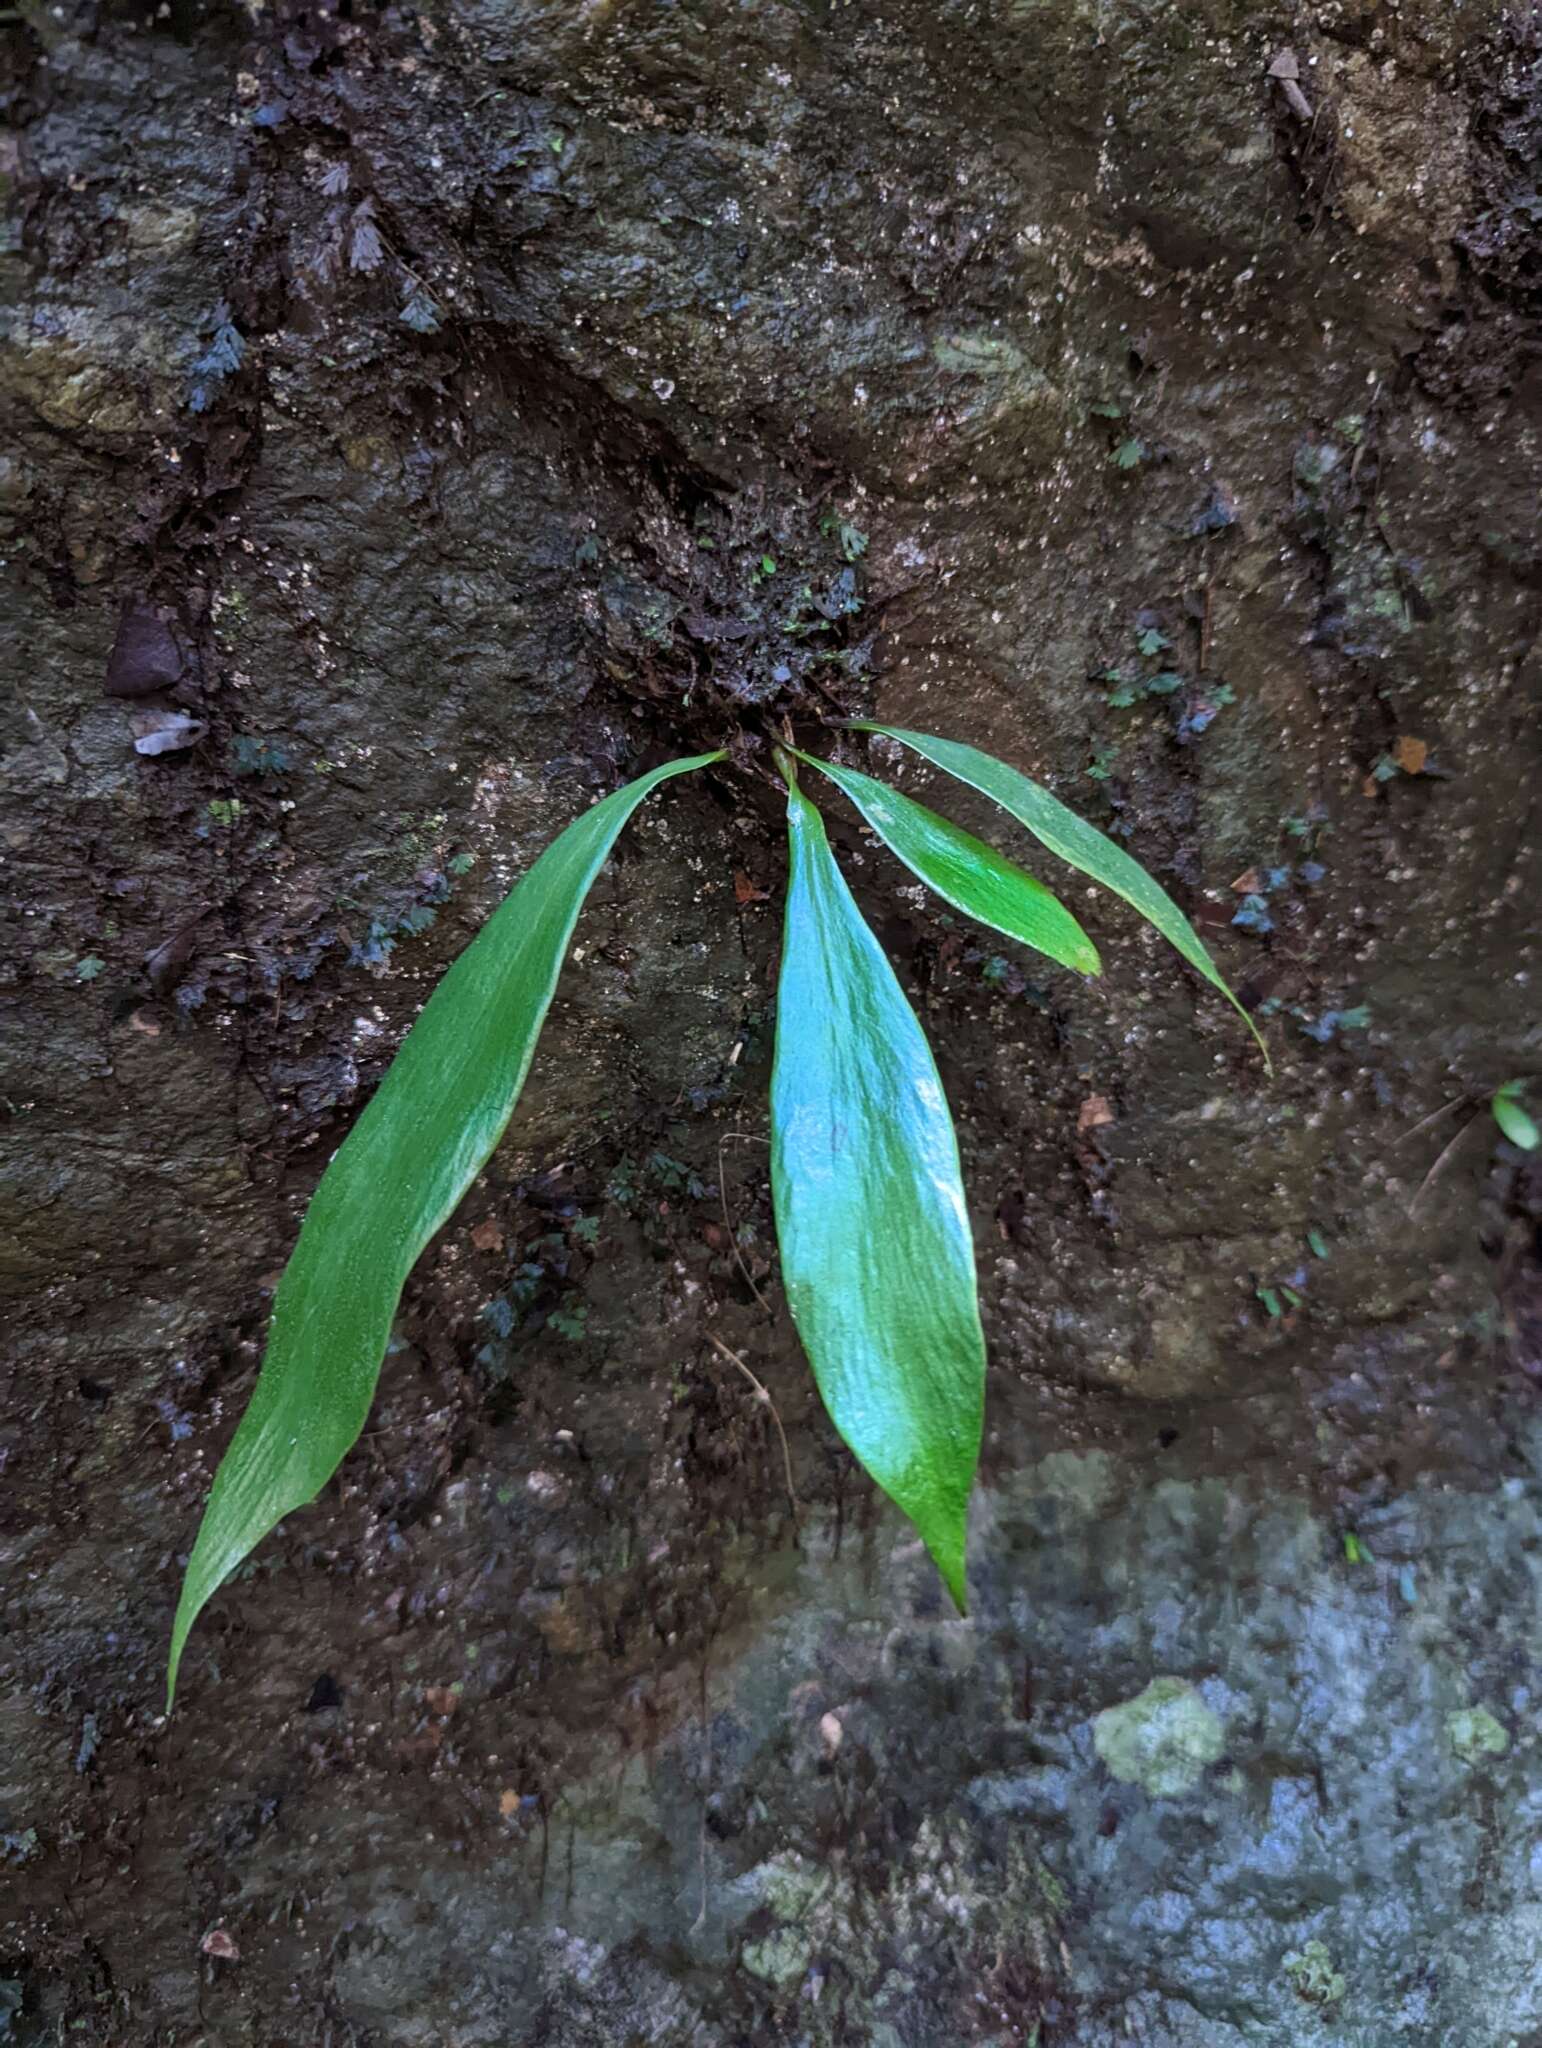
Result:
1514,1119
876,1254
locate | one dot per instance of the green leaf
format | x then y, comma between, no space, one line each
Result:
876,1254
964,871
1513,1119
1075,841
422,1138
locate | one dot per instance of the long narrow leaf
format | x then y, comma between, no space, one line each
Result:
422,1138
1075,841
876,1253
964,871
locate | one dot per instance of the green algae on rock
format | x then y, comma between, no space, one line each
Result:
1474,1734
1162,1740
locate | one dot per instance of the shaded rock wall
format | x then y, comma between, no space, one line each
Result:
404,409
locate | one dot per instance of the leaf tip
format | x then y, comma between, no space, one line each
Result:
946,1547
953,1578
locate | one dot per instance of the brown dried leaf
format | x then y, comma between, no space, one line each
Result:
487,1236
1093,1113
1411,754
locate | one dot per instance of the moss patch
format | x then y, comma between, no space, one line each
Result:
1162,1740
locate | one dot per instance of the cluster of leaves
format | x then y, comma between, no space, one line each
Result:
1263,888
539,1294
1321,1026
765,611
1252,913
657,1174
252,756
1150,675
876,1254
1280,1298
432,889
1126,449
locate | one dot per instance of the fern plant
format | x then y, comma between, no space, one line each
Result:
876,1255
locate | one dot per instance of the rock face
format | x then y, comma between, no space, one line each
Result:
429,418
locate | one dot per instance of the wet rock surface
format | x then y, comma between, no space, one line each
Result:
429,418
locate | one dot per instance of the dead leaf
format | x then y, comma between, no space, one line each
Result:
1093,1113
165,732
745,891
1246,883
441,1699
218,1943
487,1236
164,965
508,1802
1370,786
1411,754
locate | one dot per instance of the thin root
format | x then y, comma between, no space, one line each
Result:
763,1395
733,1236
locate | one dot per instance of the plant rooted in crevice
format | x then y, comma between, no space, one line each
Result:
876,1253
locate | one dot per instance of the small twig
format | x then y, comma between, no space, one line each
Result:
1435,1171
761,1394
1433,1118
733,1239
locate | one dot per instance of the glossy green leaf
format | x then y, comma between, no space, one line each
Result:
876,1254
966,872
422,1138
1514,1119
1075,841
